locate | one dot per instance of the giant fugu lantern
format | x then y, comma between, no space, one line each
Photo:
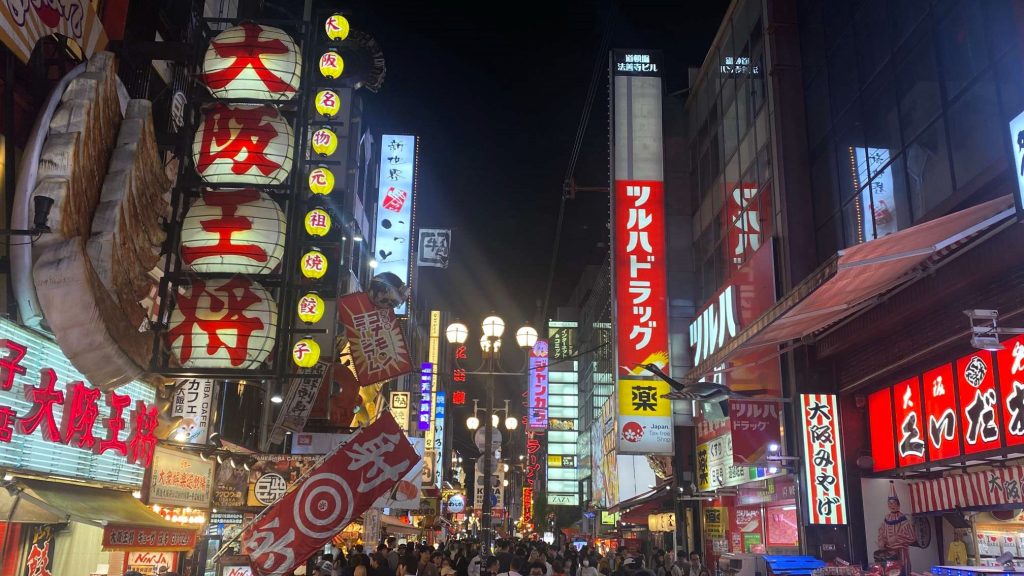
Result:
218,323
252,61
244,144
233,231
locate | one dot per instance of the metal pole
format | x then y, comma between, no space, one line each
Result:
485,517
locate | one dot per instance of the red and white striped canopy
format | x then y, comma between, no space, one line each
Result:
995,487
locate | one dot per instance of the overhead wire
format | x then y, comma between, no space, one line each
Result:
581,129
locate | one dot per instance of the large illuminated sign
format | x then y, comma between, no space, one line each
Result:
538,398
971,406
53,423
426,374
395,200
1017,144
439,409
823,464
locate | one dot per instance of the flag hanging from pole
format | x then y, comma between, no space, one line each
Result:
334,494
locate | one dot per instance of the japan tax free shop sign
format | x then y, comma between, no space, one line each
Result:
53,422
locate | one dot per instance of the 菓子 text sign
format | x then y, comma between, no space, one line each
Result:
823,459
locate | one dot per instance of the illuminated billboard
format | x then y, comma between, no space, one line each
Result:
396,194
639,290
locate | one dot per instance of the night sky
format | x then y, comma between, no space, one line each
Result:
496,98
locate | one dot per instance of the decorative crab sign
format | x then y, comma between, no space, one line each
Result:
245,144
253,61
223,324
233,231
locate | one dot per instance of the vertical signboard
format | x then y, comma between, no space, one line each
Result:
192,404
399,403
638,239
538,413
426,373
882,430
823,459
1011,384
1017,145
909,430
396,191
979,402
439,406
940,414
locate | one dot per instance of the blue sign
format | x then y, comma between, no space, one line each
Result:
426,376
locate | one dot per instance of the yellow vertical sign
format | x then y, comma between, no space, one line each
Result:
433,352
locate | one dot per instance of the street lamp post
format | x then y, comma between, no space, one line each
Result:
493,328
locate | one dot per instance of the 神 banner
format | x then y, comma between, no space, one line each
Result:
378,345
336,492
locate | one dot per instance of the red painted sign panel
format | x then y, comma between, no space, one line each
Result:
1011,388
910,445
882,427
941,422
976,384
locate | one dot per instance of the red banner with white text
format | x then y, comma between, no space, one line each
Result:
336,492
378,344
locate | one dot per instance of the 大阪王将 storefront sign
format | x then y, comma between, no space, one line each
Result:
52,422
970,406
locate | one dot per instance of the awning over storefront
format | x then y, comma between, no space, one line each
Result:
394,526
994,488
854,277
44,502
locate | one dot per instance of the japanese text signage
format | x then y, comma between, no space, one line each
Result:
53,423
399,404
645,418
336,492
426,374
378,344
439,407
192,404
177,478
538,399
823,461
715,467
142,538
395,204
302,393
971,406
755,425
434,248
39,561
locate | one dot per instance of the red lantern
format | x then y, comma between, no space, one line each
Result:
233,231
247,144
222,324
252,61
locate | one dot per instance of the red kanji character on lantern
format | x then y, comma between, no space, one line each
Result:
317,219
143,439
231,320
300,350
10,363
329,60
7,419
314,262
225,227
115,423
80,413
308,305
240,135
459,375
328,99
248,54
44,397
459,397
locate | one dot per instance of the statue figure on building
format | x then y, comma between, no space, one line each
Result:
895,534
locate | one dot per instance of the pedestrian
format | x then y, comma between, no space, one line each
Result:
695,563
490,567
427,566
446,567
681,566
586,569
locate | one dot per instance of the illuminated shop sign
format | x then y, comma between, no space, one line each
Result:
1017,144
396,193
971,406
52,422
823,464
538,409
426,374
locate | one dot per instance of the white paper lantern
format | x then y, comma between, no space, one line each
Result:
244,143
233,231
222,324
253,61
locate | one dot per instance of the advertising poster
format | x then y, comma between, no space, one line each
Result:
755,426
231,487
273,474
192,403
180,479
395,203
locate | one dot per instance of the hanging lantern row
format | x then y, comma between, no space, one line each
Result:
253,61
321,181
239,231
218,323
243,143
337,27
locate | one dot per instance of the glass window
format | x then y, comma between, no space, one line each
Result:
904,16
962,49
872,37
745,112
827,239
764,163
812,37
757,88
843,83
1001,25
928,176
836,18
854,214
1011,85
850,155
730,139
975,136
885,196
918,78
818,118
881,114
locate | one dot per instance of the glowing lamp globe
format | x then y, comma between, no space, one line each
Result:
218,323
321,181
314,264
331,65
311,308
306,353
325,141
328,103
252,61
233,231
336,26
318,222
243,144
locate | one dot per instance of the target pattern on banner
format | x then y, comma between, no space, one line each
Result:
323,505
